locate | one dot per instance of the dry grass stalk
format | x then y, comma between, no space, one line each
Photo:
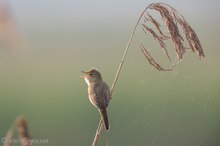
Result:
8,138
172,27
159,39
155,23
23,131
151,59
98,132
192,38
171,18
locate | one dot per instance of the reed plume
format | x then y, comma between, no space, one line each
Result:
23,131
174,22
21,125
8,138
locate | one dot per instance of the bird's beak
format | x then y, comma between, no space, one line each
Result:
84,73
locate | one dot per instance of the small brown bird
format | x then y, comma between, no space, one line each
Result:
99,93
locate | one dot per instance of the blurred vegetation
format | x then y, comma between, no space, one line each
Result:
148,107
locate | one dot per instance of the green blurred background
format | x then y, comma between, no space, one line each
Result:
149,108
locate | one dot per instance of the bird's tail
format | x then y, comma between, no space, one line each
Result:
104,115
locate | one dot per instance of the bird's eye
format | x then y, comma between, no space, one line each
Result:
90,74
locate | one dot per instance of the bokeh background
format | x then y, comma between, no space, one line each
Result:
41,79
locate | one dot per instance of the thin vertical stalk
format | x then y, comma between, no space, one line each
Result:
100,126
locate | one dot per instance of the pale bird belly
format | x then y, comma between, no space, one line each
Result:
92,100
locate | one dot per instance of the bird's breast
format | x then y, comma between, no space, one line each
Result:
92,97
87,81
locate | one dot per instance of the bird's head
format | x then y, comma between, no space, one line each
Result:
92,75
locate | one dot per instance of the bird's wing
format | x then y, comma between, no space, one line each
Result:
102,96
106,96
